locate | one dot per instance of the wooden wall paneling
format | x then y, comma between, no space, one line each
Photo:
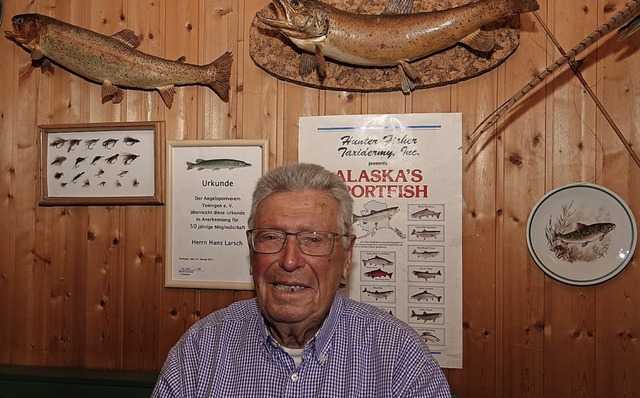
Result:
298,101
342,103
481,332
104,289
521,183
146,19
63,271
437,100
178,311
29,338
143,228
8,79
104,230
220,35
257,90
66,88
617,348
107,18
384,103
571,145
66,315
571,121
211,300
143,283
66,289
183,32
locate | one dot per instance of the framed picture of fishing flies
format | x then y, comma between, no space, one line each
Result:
101,164
209,188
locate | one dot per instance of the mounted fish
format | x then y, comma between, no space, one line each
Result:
397,47
113,61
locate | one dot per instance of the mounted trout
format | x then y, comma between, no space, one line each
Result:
386,40
113,61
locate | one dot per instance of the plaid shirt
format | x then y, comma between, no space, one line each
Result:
359,351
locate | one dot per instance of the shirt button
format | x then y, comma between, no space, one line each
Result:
295,377
322,358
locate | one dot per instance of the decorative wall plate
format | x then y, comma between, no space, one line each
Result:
581,234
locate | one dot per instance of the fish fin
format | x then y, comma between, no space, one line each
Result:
46,66
221,72
117,97
480,40
307,64
166,93
524,6
36,54
181,59
321,63
398,7
580,225
408,76
128,37
111,93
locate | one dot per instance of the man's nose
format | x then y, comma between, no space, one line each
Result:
291,253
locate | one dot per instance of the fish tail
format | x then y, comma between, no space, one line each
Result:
220,69
524,6
190,165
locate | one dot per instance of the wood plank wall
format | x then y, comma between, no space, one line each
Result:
83,286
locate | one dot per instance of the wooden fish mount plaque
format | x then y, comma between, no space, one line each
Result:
278,56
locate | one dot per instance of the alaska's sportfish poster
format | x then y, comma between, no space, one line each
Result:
405,175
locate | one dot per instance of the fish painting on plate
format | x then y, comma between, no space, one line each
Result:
573,236
285,46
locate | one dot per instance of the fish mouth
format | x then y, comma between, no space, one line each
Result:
13,36
295,20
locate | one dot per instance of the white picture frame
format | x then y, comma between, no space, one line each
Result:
209,188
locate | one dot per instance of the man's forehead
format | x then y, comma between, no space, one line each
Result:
311,203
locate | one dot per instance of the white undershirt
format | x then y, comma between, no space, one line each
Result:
295,353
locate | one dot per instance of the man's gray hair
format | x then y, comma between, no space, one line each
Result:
298,177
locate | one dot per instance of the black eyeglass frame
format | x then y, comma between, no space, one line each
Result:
296,234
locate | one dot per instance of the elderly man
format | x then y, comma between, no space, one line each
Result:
299,337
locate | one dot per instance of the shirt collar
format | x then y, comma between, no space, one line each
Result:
322,338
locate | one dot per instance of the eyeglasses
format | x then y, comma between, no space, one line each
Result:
312,243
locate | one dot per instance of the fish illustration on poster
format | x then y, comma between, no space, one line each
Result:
404,172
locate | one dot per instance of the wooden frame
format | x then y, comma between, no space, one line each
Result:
101,164
209,189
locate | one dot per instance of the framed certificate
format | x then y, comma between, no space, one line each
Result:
209,189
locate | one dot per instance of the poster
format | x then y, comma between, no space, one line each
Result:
210,184
404,172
